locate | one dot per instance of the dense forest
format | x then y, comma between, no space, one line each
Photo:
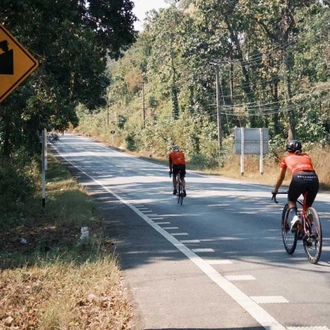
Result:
198,69
201,68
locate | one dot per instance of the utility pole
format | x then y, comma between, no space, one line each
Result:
143,107
218,98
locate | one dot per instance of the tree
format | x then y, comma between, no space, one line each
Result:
165,55
72,41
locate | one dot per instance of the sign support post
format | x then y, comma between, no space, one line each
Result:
261,151
242,149
44,165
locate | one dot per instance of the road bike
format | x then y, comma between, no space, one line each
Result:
309,229
179,187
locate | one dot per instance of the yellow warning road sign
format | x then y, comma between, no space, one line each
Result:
16,63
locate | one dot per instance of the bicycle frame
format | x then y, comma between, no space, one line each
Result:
302,213
309,230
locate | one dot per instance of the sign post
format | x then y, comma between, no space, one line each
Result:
242,149
16,63
44,165
253,141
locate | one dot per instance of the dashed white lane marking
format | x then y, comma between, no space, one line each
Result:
146,211
258,313
219,262
178,234
239,278
188,241
324,214
269,299
155,219
308,328
202,250
169,228
163,223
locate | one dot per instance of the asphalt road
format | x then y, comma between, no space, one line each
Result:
217,261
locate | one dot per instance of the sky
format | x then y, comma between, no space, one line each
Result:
142,6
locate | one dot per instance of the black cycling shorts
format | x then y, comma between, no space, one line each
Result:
304,182
177,168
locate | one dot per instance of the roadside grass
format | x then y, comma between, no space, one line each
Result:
49,277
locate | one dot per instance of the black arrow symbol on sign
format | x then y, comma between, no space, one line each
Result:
6,59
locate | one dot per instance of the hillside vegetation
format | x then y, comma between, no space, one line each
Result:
200,69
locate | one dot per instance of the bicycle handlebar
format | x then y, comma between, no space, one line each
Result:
278,193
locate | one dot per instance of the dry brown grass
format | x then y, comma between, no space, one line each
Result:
252,173
321,161
53,280
64,296
320,158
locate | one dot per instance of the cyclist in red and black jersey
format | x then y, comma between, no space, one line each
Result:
177,163
304,179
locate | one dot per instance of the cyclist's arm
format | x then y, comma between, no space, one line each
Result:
170,163
279,180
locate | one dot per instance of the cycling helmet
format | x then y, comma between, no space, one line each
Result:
176,148
293,145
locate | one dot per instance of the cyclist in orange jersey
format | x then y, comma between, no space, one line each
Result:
304,179
177,163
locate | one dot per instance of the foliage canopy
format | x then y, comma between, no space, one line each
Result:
72,40
274,71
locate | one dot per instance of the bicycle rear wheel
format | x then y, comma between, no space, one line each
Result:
313,239
289,238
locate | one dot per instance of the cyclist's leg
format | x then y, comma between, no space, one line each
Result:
175,172
295,190
312,188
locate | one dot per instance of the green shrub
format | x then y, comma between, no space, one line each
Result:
130,142
18,183
199,161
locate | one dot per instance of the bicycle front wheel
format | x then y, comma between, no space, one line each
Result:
313,238
289,238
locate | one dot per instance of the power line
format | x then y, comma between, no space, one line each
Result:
265,112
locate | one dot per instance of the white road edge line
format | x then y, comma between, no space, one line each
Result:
258,313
